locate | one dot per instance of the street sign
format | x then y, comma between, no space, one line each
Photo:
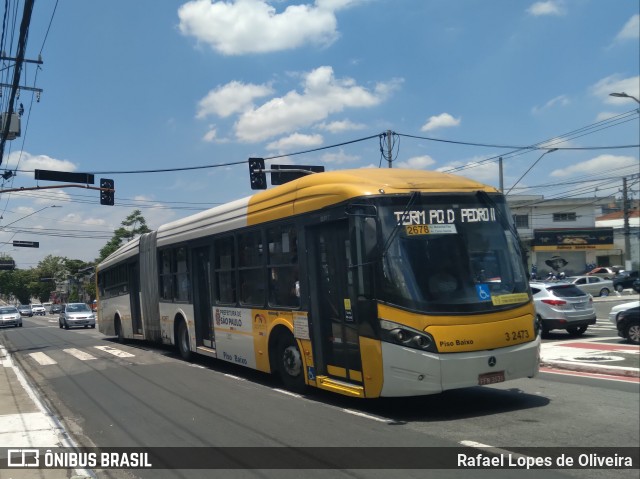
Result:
26,244
51,175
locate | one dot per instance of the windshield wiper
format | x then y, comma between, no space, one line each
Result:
387,244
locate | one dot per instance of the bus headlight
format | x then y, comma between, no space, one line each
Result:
403,335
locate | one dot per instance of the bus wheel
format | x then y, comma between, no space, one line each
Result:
289,362
182,341
119,331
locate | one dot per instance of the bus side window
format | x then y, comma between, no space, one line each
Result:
225,270
284,284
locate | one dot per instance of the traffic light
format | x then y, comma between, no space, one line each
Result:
257,176
106,195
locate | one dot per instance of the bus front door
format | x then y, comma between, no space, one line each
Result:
335,328
202,297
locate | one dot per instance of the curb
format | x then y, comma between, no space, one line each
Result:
588,368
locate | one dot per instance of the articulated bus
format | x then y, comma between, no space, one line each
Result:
368,283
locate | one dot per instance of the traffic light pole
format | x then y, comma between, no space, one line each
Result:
626,227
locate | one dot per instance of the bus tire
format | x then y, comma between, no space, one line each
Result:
289,363
119,330
182,341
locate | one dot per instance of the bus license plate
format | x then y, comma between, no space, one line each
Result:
491,378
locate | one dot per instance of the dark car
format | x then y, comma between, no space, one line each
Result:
626,317
636,285
25,310
55,309
624,280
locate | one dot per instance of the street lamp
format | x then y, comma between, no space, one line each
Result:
624,95
534,164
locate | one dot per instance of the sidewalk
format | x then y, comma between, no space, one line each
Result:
25,422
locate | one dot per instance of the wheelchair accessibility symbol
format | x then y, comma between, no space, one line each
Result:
483,292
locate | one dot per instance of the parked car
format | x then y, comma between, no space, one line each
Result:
562,305
624,280
10,316
626,318
37,309
604,272
25,310
592,284
76,314
55,309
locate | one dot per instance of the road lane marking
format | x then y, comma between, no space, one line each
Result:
604,377
367,416
81,355
115,352
42,359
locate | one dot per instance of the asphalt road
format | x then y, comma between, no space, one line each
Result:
146,396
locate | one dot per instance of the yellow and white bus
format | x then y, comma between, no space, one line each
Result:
367,282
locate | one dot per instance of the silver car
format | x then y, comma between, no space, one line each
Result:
10,316
74,315
562,305
592,284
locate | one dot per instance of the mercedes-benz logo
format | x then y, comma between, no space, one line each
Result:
492,361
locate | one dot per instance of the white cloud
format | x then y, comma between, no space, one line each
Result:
550,7
339,158
417,162
631,29
339,126
210,135
475,169
598,164
443,120
231,98
605,115
254,26
615,84
27,161
297,140
322,95
560,100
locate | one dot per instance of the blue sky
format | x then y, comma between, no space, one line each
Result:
147,84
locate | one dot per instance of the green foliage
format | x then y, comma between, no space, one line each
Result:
40,281
132,226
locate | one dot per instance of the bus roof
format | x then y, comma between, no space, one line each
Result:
309,193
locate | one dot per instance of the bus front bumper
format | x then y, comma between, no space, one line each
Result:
410,372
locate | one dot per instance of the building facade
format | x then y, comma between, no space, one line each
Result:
561,235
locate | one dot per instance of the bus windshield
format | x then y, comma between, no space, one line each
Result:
450,254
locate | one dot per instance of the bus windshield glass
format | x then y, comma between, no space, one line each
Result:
450,254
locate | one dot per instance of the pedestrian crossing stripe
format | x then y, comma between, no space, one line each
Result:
81,355
45,360
115,352
42,359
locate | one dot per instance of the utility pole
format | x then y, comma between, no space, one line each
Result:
626,228
22,45
389,147
501,175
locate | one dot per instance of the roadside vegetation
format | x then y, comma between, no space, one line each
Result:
63,279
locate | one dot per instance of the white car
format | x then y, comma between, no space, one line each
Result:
613,314
626,319
38,309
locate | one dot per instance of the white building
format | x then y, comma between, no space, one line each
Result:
560,235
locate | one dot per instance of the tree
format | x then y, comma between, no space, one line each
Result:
132,226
